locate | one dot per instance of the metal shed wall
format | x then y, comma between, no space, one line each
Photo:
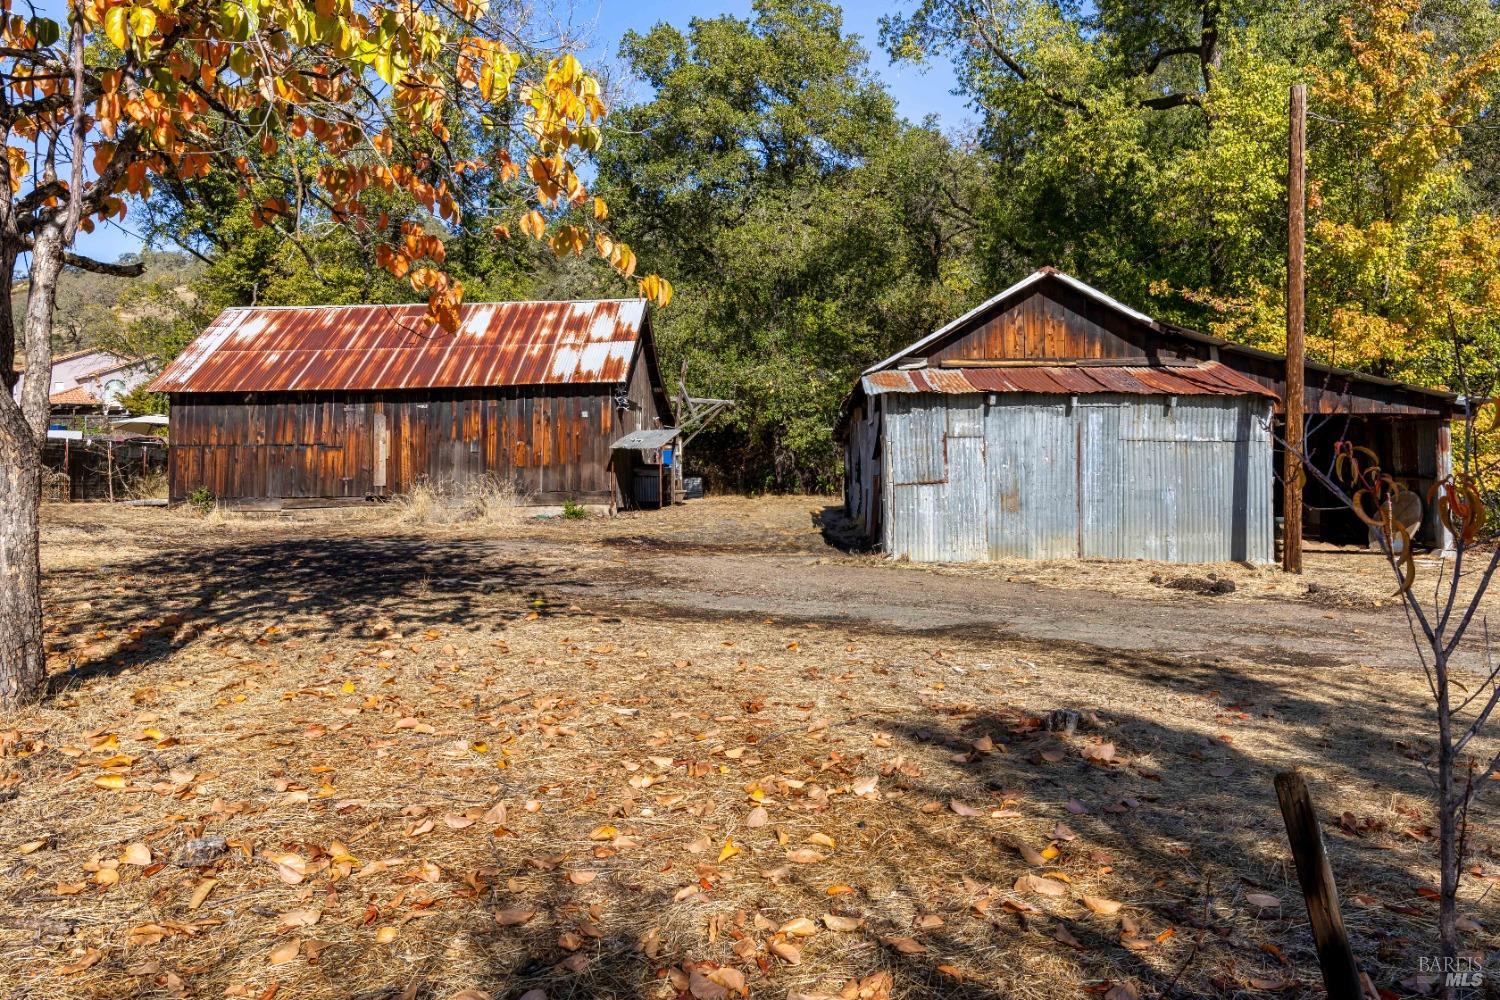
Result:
862,475
1105,476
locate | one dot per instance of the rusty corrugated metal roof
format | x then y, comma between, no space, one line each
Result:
365,347
1207,379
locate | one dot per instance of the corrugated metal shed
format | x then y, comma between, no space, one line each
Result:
373,347
1208,378
1106,434
1113,476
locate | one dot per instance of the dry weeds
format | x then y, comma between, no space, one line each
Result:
431,786
488,501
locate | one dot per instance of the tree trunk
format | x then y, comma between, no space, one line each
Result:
23,428
1448,833
22,662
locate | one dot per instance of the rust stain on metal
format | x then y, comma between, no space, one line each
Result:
1207,379
367,347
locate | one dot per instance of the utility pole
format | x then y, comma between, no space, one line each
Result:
1291,551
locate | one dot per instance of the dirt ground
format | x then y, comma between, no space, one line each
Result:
696,752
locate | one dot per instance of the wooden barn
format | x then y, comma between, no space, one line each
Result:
300,406
1055,422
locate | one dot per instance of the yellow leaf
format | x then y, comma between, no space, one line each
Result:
110,781
601,210
385,935
729,850
142,22
114,26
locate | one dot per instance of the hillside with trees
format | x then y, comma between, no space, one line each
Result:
96,309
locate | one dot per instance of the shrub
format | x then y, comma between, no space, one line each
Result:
202,500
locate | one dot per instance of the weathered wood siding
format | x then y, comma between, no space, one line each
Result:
553,442
1051,321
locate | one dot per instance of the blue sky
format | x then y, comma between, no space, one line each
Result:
918,92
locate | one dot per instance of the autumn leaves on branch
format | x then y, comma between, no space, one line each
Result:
366,96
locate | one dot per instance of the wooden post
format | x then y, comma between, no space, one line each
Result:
1340,974
1291,558
110,470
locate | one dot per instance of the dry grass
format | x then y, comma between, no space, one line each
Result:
437,748
151,486
487,501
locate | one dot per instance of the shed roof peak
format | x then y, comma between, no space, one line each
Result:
1034,278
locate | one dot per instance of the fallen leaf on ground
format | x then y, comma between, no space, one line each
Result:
1039,885
514,917
785,950
200,892
285,952
88,960
1101,753
1107,907
905,945
299,918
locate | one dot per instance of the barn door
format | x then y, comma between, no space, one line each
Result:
382,449
1106,477
1031,462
